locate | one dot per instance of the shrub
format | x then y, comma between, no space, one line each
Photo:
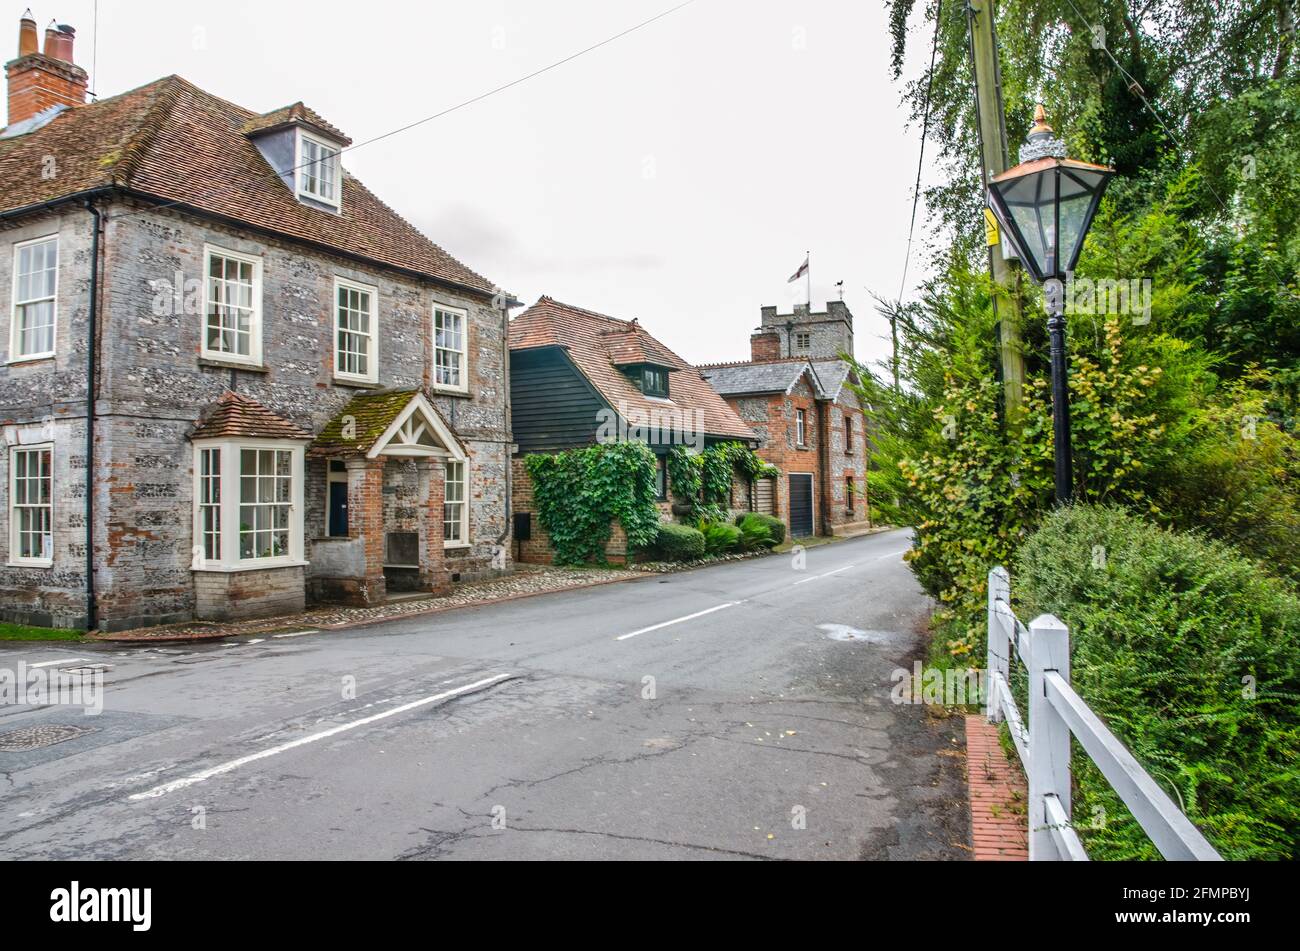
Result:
720,537
1191,655
774,526
679,543
755,535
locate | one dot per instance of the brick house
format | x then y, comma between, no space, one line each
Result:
295,394
578,378
809,420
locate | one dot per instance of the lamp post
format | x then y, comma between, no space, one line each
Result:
1045,206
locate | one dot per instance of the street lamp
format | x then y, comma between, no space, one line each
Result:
1045,206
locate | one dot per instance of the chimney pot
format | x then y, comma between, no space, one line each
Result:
37,83
28,40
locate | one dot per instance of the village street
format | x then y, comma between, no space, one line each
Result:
741,710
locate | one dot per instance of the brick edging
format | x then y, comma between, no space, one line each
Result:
997,796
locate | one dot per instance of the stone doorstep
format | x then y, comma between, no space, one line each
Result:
998,796
193,631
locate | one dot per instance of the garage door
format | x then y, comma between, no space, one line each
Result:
801,505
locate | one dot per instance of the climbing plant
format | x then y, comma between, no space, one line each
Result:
579,494
704,479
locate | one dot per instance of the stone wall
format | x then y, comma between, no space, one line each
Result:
153,387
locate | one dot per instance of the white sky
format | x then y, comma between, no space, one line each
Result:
677,175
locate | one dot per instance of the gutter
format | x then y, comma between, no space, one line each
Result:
508,528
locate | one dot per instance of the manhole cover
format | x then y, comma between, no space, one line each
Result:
39,737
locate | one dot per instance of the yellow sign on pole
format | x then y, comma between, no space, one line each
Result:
991,233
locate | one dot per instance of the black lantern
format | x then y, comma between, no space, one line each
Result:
1045,206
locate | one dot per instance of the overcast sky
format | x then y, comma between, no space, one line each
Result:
677,175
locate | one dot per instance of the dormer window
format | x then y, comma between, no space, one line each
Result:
654,382
318,169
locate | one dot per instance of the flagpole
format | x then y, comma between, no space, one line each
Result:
809,258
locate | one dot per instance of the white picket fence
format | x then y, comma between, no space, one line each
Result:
1056,711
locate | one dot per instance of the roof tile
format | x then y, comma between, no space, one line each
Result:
236,416
598,345
173,141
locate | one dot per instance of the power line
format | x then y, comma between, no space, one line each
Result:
445,112
920,162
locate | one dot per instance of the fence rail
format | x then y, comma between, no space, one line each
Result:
1056,712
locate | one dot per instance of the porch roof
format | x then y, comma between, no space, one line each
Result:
236,416
374,417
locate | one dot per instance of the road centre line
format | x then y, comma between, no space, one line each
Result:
235,764
827,575
680,620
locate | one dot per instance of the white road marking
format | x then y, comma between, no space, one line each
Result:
894,554
56,663
235,764
295,634
820,577
680,620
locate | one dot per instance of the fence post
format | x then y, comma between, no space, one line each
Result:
1049,737
999,643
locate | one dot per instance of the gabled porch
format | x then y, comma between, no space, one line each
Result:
378,482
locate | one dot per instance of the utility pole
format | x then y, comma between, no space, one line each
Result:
993,143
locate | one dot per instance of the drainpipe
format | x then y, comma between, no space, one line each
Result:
92,337
509,424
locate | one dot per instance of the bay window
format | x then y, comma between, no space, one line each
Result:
36,267
248,504
31,506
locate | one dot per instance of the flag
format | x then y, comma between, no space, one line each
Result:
802,272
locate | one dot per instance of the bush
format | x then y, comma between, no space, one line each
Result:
679,543
750,522
1191,655
720,537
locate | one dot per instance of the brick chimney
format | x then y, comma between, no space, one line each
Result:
765,346
39,80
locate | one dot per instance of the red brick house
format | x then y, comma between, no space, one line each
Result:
809,420
578,378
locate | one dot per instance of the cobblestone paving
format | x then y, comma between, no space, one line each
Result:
525,580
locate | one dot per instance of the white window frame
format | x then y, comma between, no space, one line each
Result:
800,427
254,356
464,540
15,560
463,314
14,336
372,353
231,475
300,169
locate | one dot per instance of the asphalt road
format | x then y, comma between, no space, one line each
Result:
740,711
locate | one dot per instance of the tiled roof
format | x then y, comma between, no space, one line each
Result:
173,141
373,413
297,114
777,376
632,347
242,417
586,337
833,375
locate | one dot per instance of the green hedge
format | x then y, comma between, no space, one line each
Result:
1191,655
679,543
